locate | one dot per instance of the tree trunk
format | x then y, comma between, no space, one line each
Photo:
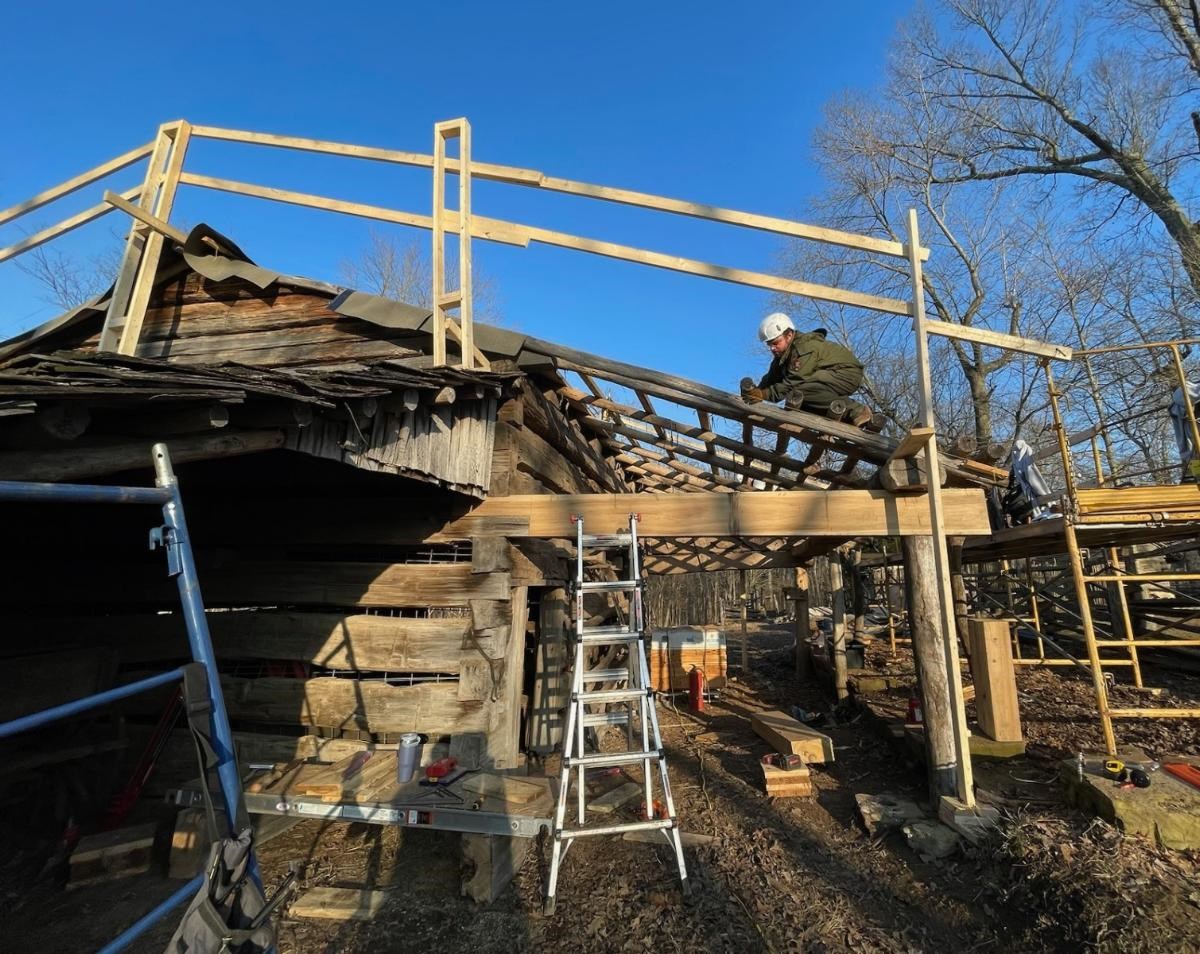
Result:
981,403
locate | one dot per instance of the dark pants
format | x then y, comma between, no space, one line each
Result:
825,385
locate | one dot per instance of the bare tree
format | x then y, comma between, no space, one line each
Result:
68,282
403,272
879,156
1049,91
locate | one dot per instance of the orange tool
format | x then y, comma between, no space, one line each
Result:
1184,772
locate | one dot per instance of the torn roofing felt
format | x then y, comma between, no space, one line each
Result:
394,314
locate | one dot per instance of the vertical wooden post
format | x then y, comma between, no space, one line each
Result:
800,602
959,588
887,599
1034,613
837,600
941,557
551,686
1081,592
438,251
1118,589
858,595
465,315
143,247
933,679
995,680
744,598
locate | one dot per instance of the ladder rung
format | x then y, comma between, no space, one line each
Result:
601,541
605,759
615,637
609,586
612,695
450,299
605,718
656,824
605,675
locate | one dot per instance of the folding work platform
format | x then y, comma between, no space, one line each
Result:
172,536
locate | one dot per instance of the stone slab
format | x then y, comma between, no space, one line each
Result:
1167,812
885,812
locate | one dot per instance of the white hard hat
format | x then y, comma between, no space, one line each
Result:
774,325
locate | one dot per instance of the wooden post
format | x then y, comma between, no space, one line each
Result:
940,582
837,599
551,686
743,597
800,604
143,247
959,588
858,595
995,680
925,630
1122,601
887,602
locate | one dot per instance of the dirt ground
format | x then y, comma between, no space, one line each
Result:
788,875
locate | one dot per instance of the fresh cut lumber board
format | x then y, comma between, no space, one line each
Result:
503,787
339,904
788,736
781,783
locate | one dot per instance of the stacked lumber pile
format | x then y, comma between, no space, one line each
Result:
790,737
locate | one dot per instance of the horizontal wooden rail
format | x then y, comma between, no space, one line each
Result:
1137,346
997,340
359,209
78,182
512,233
516,175
65,226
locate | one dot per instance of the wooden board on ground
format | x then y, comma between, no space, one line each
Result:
610,801
791,737
508,789
781,783
339,904
112,854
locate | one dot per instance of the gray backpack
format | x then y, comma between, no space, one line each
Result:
228,914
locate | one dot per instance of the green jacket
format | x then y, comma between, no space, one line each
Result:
807,356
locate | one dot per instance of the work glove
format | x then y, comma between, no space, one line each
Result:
751,394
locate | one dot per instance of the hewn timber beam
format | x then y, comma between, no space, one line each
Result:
701,397
91,460
683,450
783,482
792,513
710,438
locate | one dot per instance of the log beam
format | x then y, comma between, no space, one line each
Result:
795,513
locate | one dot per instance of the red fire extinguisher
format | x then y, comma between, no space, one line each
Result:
696,689
914,716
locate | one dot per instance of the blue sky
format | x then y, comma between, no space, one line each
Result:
712,102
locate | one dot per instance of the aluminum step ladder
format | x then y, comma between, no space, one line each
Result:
636,710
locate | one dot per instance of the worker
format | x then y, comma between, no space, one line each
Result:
807,372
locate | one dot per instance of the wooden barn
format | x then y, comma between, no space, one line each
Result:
369,553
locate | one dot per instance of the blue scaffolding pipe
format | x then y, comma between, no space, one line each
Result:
184,565
29,492
90,702
181,564
146,921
